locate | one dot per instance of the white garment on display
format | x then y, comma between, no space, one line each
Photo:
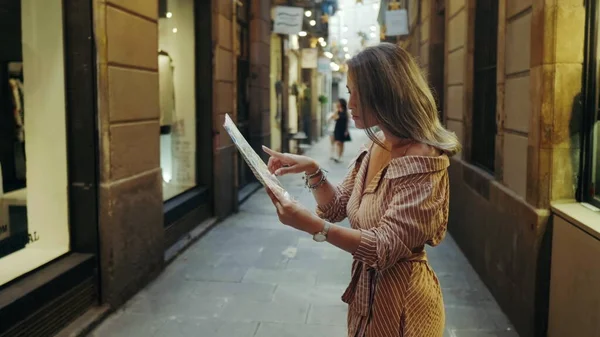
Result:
166,89
167,113
166,157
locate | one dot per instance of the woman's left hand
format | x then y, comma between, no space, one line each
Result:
293,214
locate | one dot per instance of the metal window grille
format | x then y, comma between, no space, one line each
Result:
484,84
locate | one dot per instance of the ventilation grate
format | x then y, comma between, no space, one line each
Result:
57,314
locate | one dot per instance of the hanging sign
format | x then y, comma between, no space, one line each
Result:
288,20
396,22
310,57
324,65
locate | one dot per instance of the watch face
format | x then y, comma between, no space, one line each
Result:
319,237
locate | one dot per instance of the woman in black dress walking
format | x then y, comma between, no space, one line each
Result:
341,133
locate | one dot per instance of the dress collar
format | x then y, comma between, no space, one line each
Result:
401,167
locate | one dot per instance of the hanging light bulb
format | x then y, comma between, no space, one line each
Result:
175,30
328,54
373,35
169,15
346,49
373,28
344,41
347,56
302,33
312,22
321,40
323,44
308,14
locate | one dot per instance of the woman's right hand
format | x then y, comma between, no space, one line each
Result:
285,163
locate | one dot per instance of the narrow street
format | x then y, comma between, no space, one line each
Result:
251,276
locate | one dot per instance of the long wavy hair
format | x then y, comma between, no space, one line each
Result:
394,95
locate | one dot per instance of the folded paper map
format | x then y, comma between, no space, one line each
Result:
257,165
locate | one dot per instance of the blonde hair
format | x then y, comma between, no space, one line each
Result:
392,89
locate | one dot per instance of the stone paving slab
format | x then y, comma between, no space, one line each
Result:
251,276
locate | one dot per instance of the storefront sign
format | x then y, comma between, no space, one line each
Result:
288,20
396,22
323,65
310,57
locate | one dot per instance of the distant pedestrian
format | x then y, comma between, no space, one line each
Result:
330,130
341,132
396,196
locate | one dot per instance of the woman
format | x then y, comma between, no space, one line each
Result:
395,196
330,130
341,133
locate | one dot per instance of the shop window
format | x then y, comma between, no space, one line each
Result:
176,73
590,191
484,84
34,219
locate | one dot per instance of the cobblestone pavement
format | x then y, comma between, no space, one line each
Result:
251,276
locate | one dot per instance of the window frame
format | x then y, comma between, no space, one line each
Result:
591,103
186,210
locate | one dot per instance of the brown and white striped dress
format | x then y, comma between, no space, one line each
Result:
393,291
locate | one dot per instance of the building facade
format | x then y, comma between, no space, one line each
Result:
510,79
113,153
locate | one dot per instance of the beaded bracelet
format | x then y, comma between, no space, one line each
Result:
307,178
319,183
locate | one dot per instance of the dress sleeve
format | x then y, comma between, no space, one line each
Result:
335,210
414,217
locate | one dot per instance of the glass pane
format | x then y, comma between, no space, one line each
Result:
176,73
33,158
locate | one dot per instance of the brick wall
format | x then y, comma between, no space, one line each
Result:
130,175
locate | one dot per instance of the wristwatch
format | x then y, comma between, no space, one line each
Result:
322,235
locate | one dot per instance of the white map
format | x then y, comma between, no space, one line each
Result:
258,167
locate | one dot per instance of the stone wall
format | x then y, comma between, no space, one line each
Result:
456,69
260,66
130,176
224,102
225,39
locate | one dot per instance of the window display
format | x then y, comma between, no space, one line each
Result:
33,158
176,72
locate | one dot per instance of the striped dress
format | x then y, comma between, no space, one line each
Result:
393,291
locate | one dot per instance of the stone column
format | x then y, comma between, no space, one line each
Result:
130,201
224,38
260,52
557,38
